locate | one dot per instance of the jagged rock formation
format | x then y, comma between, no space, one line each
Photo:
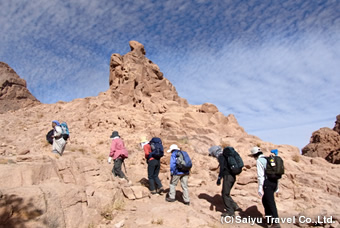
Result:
13,90
325,143
39,189
337,124
136,80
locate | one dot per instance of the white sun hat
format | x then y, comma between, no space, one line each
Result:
173,147
254,151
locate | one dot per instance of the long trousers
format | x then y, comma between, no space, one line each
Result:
268,200
117,168
153,171
184,183
229,203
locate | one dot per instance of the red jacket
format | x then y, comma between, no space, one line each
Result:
118,149
147,151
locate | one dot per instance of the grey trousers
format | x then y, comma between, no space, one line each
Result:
184,183
117,168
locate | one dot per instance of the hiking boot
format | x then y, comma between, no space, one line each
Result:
169,199
237,208
226,214
153,192
160,191
187,203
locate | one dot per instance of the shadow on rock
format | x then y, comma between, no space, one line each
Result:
14,212
253,213
216,202
144,182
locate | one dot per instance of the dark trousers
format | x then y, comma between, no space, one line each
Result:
268,199
153,171
229,203
117,168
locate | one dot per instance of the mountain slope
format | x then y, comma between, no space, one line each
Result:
40,189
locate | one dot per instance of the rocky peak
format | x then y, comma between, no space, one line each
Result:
137,48
337,124
13,90
325,143
137,81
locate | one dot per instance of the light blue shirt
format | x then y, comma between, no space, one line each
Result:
261,164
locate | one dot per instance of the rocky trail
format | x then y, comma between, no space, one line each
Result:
39,189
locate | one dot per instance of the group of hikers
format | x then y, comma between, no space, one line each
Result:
269,169
180,165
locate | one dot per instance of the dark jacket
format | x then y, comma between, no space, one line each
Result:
224,170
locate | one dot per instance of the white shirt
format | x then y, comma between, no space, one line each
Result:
261,164
57,131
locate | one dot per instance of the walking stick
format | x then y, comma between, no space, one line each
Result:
124,166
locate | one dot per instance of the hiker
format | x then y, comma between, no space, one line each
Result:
118,153
59,143
154,165
229,178
176,176
266,186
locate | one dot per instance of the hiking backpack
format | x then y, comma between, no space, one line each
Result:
274,168
157,150
49,137
234,160
65,132
183,161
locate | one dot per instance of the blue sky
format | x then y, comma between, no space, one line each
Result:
273,64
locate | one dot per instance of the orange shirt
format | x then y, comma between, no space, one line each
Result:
147,151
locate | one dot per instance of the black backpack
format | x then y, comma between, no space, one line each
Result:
233,160
275,167
157,150
49,136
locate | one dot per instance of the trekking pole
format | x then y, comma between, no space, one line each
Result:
124,167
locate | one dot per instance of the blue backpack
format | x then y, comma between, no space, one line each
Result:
157,150
65,131
183,161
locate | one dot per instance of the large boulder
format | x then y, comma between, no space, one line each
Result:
325,143
337,124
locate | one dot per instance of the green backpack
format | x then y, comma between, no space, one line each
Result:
233,160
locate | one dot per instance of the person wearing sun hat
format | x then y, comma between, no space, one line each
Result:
177,176
154,165
118,154
266,186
